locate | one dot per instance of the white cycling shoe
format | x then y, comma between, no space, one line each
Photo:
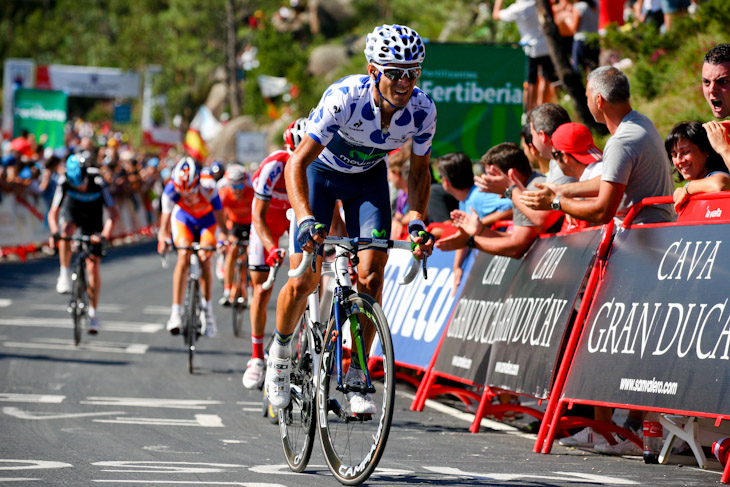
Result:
174,324
211,328
277,384
63,284
359,403
253,378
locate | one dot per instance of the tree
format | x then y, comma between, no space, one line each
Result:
571,80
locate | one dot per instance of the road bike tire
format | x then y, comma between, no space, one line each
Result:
297,422
192,312
79,302
354,444
238,308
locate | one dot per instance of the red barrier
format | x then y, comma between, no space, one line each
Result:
585,343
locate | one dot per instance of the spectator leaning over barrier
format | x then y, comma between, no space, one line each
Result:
716,88
635,166
457,178
509,159
696,162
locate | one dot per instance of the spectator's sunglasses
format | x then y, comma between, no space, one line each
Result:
556,154
395,74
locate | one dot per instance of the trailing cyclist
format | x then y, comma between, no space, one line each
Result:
359,119
269,224
192,208
236,194
78,203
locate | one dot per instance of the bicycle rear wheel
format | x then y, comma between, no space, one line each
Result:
298,420
354,443
191,319
238,306
79,302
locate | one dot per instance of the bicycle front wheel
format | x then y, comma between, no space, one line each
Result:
191,319
354,443
298,420
79,302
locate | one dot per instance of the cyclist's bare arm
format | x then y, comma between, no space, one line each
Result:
419,190
106,232
220,218
163,234
295,175
258,218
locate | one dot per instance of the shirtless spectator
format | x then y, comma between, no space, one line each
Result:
716,88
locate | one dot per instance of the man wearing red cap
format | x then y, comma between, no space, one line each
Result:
575,152
634,166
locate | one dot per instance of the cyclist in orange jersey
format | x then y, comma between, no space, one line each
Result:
236,194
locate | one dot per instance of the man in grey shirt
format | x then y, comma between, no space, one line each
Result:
634,165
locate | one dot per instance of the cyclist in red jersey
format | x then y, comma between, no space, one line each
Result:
236,194
192,207
269,224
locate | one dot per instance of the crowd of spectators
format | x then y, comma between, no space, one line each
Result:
135,177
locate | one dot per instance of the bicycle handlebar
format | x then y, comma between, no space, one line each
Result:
272,276
354,245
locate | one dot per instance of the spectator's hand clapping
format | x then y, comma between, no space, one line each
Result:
470,223
492,181
539,199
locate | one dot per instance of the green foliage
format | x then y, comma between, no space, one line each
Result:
665,76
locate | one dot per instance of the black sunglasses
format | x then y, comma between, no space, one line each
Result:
556,154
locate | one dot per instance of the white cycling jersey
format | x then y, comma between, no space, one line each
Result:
347,122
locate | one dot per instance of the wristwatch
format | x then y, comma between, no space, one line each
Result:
508,192
555,205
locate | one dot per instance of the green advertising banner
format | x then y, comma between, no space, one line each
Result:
40,112
478,93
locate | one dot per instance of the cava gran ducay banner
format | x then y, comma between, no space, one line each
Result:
478,93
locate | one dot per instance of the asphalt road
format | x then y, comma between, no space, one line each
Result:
122,409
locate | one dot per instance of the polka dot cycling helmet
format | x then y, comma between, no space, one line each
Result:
394,44
294,134
185,175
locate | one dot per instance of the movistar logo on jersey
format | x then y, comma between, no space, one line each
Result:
85,197
377,234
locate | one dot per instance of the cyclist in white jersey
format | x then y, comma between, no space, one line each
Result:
359,119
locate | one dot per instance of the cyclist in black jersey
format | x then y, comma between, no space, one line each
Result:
78,203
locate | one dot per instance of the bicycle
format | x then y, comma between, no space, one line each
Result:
193,325
238,301
78,306
353,444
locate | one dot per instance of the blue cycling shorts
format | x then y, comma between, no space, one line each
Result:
365,199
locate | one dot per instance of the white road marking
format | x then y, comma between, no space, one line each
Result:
4,303
156,310
32,464
102,347
252,410
19,413
142,466
19,479
201,420
44,398
248,403
104,308
149,402
122,326
561,476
